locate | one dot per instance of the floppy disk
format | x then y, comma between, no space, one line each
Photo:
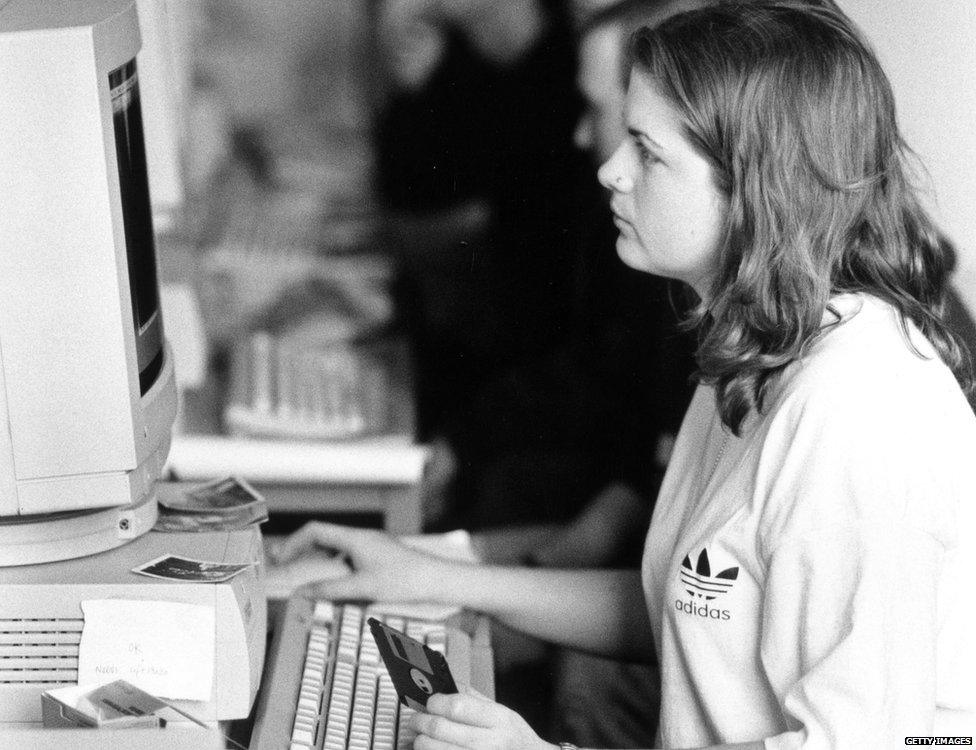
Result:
416,670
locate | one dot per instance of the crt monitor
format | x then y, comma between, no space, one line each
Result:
87,393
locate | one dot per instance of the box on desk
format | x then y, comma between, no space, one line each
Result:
117,705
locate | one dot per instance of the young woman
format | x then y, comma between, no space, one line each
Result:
805,573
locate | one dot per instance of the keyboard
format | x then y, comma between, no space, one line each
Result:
327,688
289,388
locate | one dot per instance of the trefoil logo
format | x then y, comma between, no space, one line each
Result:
703,587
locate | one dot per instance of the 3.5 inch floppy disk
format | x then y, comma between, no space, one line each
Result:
417,671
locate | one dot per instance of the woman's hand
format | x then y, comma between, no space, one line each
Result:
470,721
382,568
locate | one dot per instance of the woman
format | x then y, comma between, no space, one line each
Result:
803,575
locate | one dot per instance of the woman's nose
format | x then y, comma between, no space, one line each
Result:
611,173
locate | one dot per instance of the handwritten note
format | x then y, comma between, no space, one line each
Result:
165,648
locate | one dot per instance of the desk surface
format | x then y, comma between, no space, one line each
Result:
170,738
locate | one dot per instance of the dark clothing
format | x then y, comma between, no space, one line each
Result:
501,136
483,302
638,361
541,439
601,702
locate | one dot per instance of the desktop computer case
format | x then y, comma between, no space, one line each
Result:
41,617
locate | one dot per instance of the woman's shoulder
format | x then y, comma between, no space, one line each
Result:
867,359
870,392
867,430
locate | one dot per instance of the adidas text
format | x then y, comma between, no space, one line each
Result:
692,607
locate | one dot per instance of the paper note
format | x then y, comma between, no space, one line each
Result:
164,648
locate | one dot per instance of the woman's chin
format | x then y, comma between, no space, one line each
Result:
632,255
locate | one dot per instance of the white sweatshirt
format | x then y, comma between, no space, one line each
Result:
809,583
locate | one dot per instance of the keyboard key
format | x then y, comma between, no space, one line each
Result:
303,735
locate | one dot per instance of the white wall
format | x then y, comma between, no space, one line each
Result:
928,48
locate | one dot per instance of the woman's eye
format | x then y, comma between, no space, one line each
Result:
645,154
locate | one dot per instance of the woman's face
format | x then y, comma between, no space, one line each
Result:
670,213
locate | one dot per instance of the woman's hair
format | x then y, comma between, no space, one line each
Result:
791,106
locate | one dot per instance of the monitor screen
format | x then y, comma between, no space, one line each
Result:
137,221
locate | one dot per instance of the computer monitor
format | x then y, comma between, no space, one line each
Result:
87,391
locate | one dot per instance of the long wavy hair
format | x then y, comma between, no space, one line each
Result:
791,106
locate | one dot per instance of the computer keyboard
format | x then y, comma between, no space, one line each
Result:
328,689
283,387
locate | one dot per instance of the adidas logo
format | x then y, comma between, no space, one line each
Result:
704,587
699,580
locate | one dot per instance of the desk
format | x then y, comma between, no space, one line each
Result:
379,475
171,738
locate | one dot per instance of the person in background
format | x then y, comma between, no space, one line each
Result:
480,234
543,434
532,337
802,572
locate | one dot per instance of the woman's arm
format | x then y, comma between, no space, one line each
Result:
470,721
602,611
